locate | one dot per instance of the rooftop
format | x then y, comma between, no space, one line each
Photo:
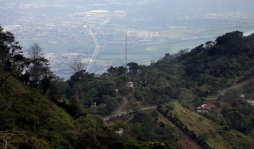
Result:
207,106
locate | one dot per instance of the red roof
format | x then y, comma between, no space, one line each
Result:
208,106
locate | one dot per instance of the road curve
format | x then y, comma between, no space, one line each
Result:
154,107
242,83
122,105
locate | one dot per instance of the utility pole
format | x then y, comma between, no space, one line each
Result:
126,51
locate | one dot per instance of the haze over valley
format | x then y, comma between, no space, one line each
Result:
117,74
94,31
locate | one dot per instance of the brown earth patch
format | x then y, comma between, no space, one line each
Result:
186,142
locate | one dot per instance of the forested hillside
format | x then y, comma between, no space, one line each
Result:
186,77
41,110
190,75
31,118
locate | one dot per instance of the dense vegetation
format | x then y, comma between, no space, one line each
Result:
184,76
158,131
29,113
30,120
40,110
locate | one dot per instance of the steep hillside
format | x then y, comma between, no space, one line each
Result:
215,135
33,115
30,120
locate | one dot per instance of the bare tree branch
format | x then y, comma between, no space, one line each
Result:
78,66
35,51
7,133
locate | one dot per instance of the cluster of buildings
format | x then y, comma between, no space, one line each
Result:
31,21
33,26
61,63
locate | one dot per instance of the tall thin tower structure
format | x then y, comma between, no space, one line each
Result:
126,51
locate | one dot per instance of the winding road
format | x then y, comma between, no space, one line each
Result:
127,112
122,105
119,111
240,84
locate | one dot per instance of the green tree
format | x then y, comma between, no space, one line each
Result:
110,102
133,67
91,97
10,51
112,70
121,70
39,65
53,92
45,83
75,105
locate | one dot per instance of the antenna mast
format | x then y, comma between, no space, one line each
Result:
126,50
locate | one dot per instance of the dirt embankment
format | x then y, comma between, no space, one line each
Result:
186,142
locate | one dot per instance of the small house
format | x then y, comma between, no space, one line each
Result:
130,84
251,102
241,96
205,107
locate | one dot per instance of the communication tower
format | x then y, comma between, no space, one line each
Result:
126,50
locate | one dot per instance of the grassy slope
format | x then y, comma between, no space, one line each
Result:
165,120
43,121
15,87
185,141
203,126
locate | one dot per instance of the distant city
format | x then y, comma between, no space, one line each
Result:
84,33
